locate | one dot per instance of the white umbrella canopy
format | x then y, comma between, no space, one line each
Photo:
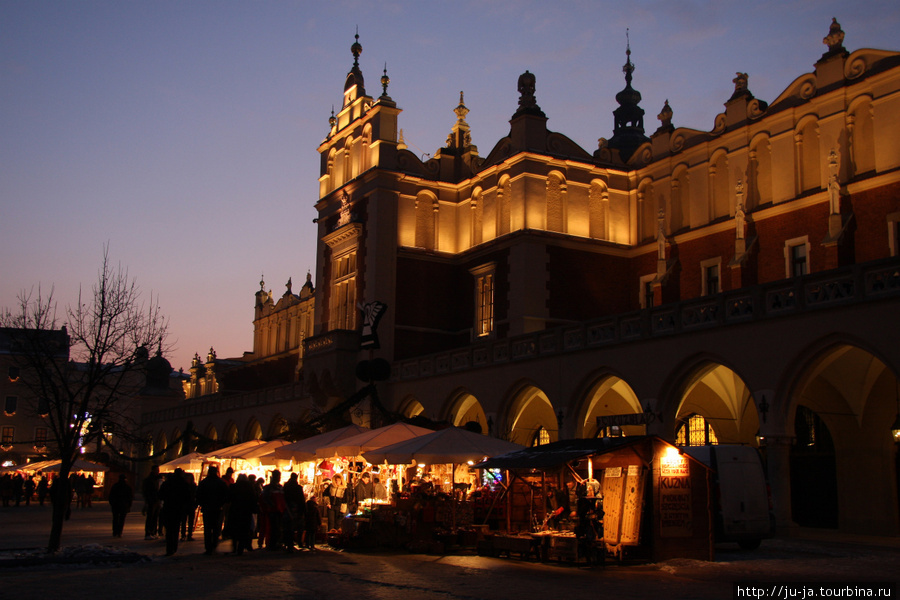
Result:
189,462
262,451
305,449
371,440
234,451
452,445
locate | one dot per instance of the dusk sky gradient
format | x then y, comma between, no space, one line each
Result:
184,133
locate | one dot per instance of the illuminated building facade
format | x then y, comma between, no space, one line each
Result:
725,286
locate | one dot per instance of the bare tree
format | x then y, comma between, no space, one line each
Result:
84,370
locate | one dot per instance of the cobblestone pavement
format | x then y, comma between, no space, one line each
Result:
327,574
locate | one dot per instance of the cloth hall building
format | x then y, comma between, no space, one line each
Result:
739,285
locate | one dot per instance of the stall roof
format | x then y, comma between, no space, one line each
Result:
452,445
371,440
305,449
556,454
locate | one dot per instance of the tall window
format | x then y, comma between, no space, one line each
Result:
712,280
484,299
541,437
796,254
343,292
696,431
8,435
646,292
40,437
894,234
710,271
9,408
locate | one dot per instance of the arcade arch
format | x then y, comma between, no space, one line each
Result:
531,417
610,395
411,408
723,401
843,459
175,450
231,434
467,409
254,430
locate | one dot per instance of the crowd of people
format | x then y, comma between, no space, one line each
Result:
246,509
17,488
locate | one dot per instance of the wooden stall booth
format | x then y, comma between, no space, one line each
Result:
652,500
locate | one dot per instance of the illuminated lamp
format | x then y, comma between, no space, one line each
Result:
895,428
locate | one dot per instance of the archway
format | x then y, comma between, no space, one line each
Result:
175,450
231,434
465,411
254,430
716,407
843,459
411,408
531,418
609,396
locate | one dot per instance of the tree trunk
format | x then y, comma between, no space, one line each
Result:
61,499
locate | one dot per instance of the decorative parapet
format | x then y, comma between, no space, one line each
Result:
217,403
869,282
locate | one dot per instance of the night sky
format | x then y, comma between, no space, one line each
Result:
183,134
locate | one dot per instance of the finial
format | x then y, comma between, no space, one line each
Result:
332,120
385,80
356,49
461,110
628,69
835,38
262,283
289,285
665,115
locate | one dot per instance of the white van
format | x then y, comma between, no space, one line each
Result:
741,499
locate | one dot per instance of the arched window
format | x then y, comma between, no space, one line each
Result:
696,431
861,129
647,211
598,210
722,190
807,141
426,219
556,203
502,206
759,175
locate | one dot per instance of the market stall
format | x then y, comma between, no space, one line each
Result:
251,457
305,449
650,499
432,507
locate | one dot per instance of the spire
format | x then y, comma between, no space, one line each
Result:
460,136
385,81
628,130
354,87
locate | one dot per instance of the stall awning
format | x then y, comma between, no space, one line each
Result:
371,440
452,445
305,449
557,454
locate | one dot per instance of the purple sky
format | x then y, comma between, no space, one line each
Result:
184,134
